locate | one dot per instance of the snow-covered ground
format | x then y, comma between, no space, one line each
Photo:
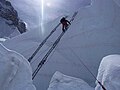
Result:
15,71
93,34
60,81
109,73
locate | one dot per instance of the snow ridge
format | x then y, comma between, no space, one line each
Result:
16,72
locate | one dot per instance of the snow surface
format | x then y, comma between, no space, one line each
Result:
60,81
109,73
94,33
15,71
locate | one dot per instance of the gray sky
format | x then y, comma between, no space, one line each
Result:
55,8
31,10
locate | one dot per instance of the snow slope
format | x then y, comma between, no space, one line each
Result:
109,73
60,81
15,71
93,34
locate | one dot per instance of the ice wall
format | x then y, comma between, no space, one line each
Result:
15,71
94,33
109,73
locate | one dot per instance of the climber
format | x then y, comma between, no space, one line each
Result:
65,24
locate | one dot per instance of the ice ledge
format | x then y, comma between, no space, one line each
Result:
60,81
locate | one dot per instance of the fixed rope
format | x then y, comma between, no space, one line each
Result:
52,48
42,62
88,69
43,42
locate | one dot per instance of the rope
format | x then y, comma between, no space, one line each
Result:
43,42
39,55
69,59
42,62
88,69
53,48
46,56
46,61
52,53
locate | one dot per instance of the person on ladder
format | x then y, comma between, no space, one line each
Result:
65,24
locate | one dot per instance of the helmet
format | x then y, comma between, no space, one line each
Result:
62,20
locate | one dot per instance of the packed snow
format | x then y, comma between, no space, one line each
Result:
93,34
109,73
15,71
60,81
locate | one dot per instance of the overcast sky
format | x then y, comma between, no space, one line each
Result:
55,8
33,11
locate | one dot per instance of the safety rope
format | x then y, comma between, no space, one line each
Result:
42,52
42,62
43,42
88,69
